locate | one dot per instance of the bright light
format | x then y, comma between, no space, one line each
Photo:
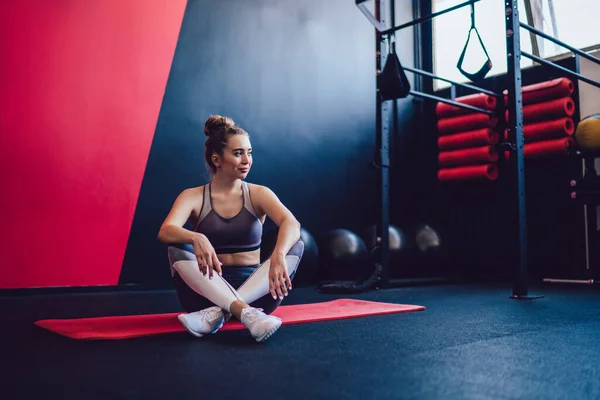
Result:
575,20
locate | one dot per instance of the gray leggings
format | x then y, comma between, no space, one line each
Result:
199,293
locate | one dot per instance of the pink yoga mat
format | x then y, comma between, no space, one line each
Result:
131,326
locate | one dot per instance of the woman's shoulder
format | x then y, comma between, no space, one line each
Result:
193,192
257,189
254,186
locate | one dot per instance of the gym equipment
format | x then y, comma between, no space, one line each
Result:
398,239
468,139
393,81
464,157
487,66
587,134
545,148
547,130
131,326
467,122
399,245
383,119
481,100
545,91
427,239
548,110
308,269
342,253
470,173
514,104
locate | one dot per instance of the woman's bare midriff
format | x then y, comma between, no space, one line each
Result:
247,258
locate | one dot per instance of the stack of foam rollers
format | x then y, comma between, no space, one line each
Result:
468,140
548,126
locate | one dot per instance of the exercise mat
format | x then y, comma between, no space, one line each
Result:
130,326
468,139
475,172
545,91
479,100
547,111
472,156
465,123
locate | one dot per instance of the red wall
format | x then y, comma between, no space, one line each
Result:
81,89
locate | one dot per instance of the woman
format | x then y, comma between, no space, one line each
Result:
216,264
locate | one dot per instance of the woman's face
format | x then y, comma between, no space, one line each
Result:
237,157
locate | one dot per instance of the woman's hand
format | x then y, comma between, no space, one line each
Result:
206,256
279,280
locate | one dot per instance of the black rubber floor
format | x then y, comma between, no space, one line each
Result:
471,343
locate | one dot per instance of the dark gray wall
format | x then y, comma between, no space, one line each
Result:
299,76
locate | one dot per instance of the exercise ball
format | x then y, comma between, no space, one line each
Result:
397,238
587,133
342,254
427,240
308,269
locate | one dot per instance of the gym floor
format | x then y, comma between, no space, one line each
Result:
472,342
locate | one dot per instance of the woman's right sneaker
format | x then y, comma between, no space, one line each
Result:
203,322
260,325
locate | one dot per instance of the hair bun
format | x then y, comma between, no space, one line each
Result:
215,123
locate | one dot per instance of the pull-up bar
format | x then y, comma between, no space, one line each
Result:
465,85
454,103
563,69
567,71
381,28
558,42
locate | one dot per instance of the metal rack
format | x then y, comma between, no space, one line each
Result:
514,124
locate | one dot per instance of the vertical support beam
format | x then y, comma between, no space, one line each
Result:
383,138
515,126
531,21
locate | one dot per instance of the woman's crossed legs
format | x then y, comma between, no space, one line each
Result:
207,300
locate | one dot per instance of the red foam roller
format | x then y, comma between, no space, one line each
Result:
465,123
546,148
549,147
473,172
549,110
463,140
476,155
480,100
544,91
547,130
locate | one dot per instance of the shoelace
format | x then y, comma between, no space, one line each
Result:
213,313
253,314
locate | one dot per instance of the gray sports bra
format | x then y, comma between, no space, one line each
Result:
237,234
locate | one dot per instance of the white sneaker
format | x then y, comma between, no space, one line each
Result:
203,322
260,325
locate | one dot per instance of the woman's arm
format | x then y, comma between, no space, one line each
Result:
289,227
172,230
289,233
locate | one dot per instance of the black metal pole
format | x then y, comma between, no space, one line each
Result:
561,68
558,42
465,85
447,101
382,143
429,17
515,127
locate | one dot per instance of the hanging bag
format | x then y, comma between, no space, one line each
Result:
393,83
